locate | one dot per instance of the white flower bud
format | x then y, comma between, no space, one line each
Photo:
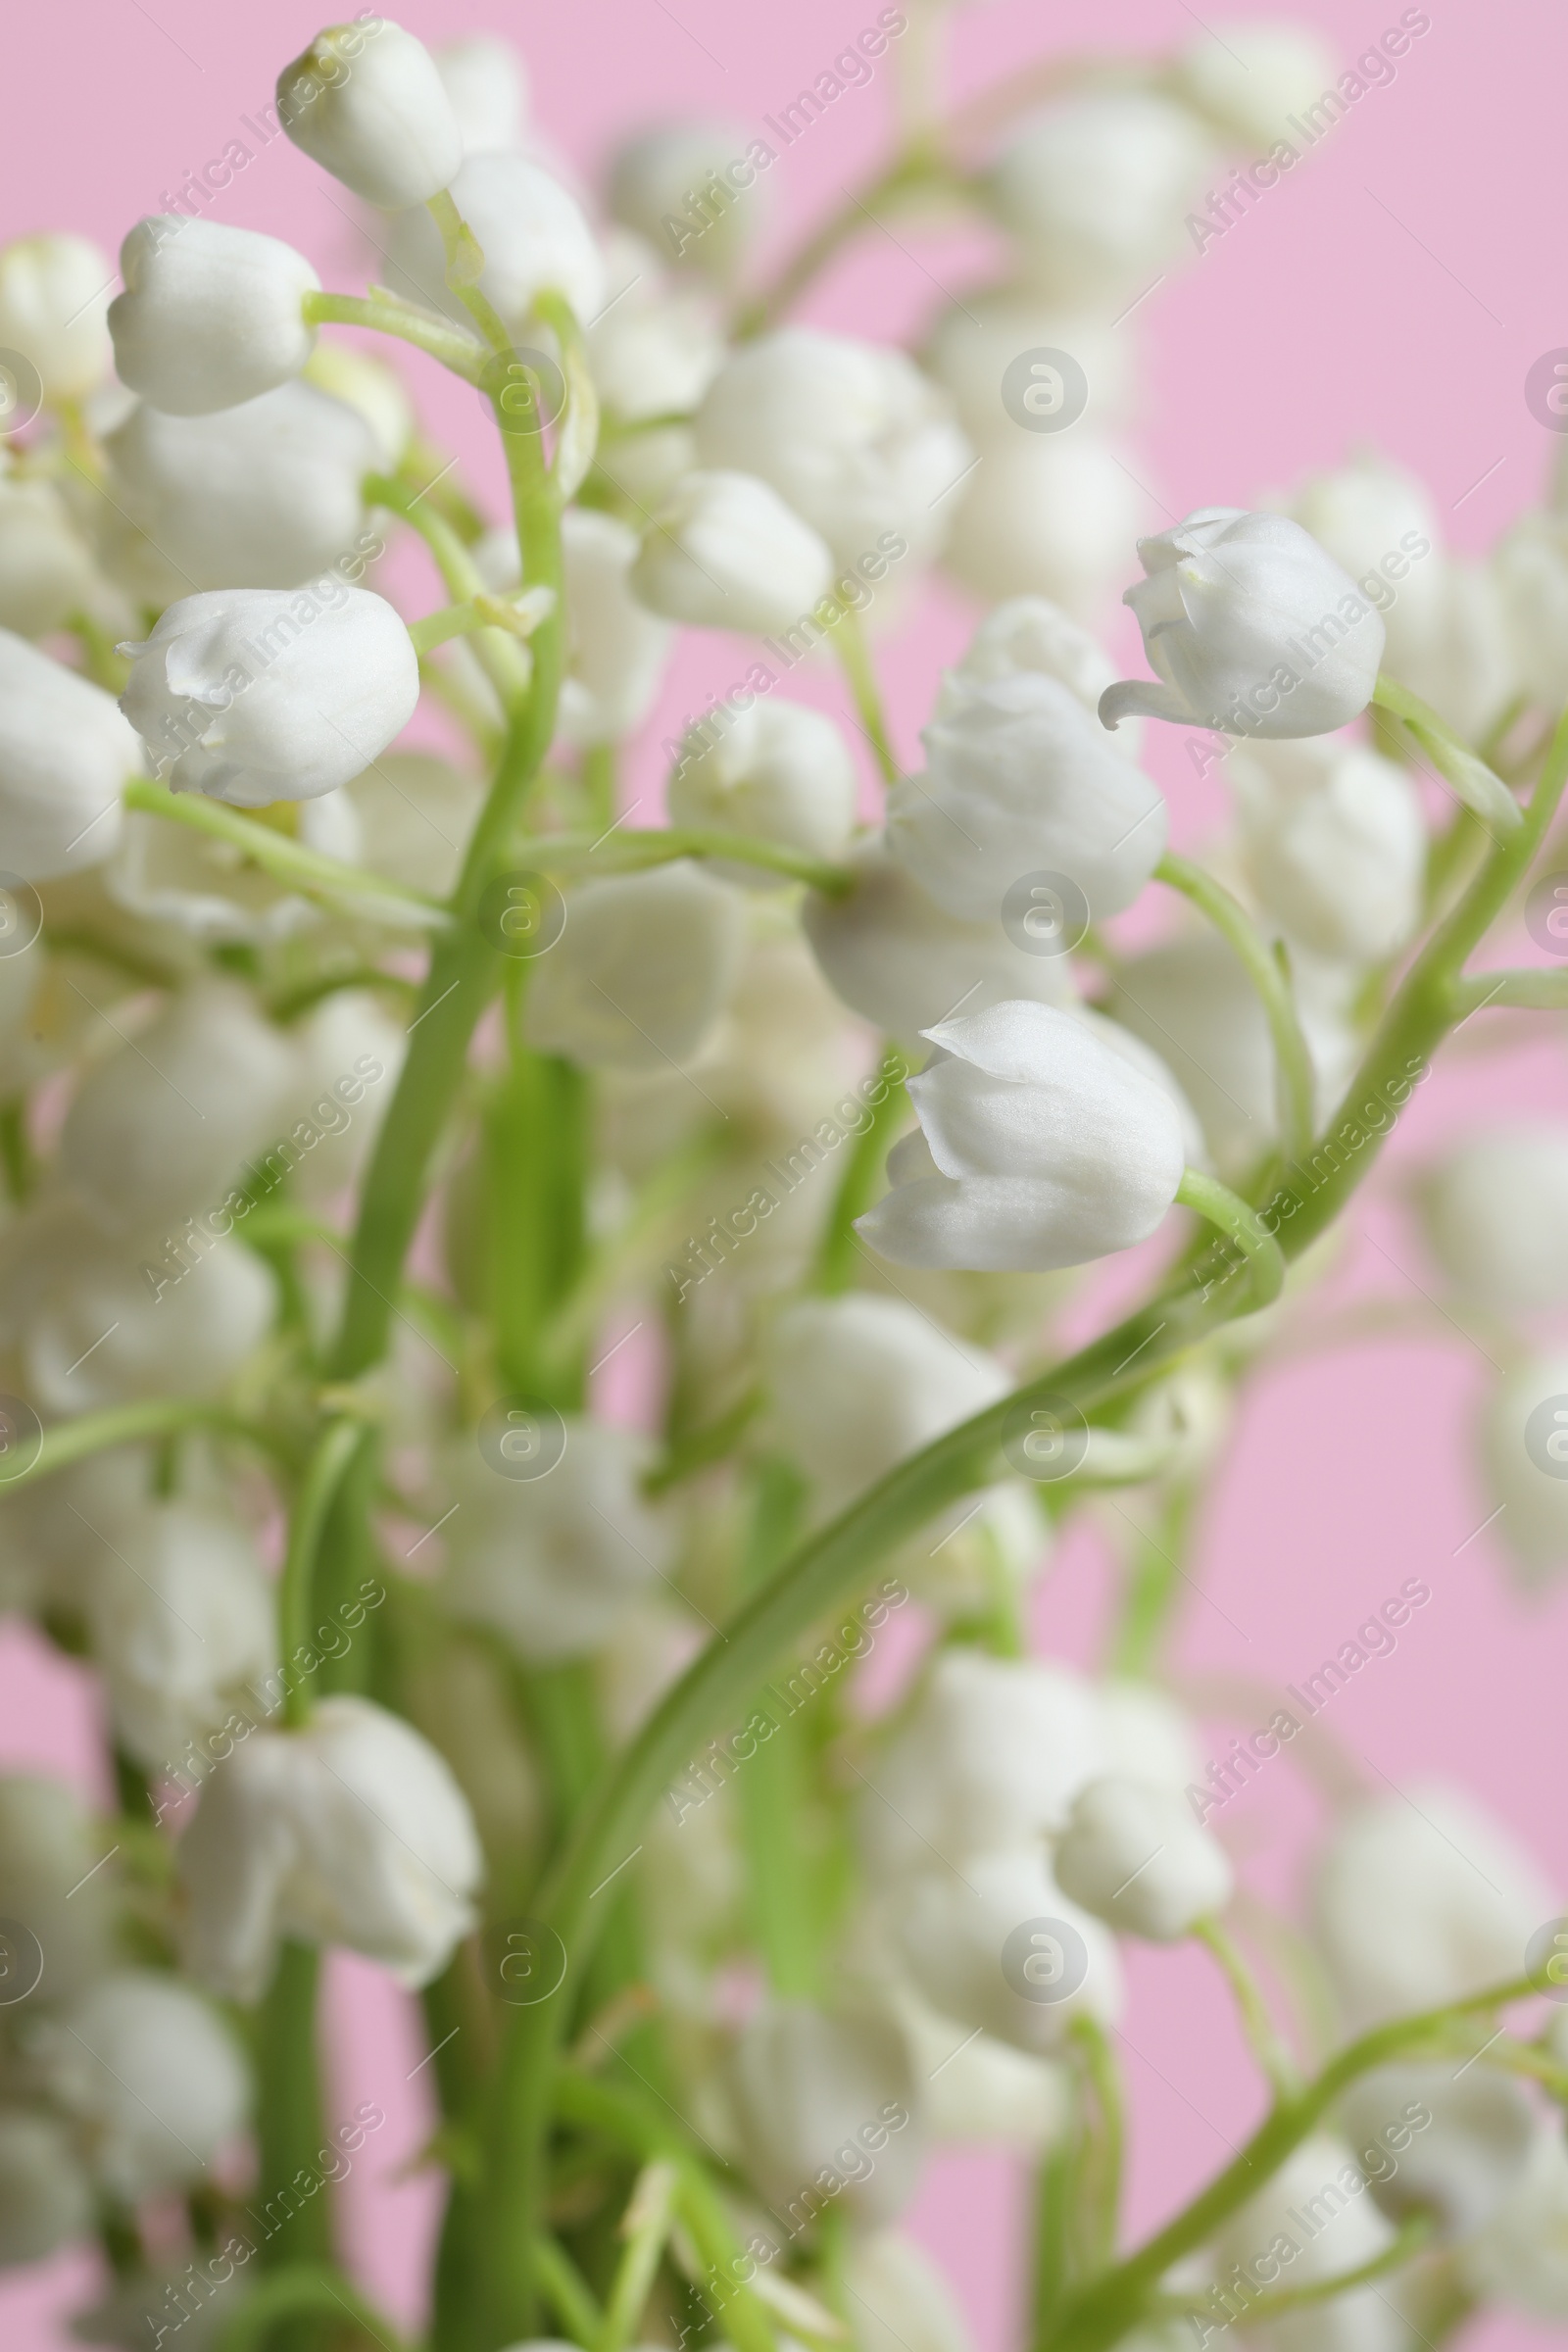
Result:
367,103
1490,642
726,552
1421,1899
534,236
51,1880
824,2102
46,2198
1523,1447
181,1618
266,494
1380,524
158,2081
1248,77
1334,843
1095,189
974,343
617,650
350,1831
487,82
900,960
375,391
1494,1212
1145,1732
555,1562
47,572
858,1381
655,350
139,1152
641,972
113,1331
1520,2258
349,1054
1040,1147
1252,628
670,184
1468,2159
851,434
900,2298
1020,780
65,754
1133,1854
986,1949
993,1755
252,696
416,815
778,771
1346,2231
54,298
210,316
1029,636
980,2089
1047,514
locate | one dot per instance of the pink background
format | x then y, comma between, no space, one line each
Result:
1393,291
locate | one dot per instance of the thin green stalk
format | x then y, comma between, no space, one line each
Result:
387,316
1413,2232
129,1425
1478,786
1294,1078
645,2226
1055,2183
1263,2036
335,1448
289,2134
908,173
1240,1224
16,1151
855,656
504,662
317,2289
625,851
288,861
1100,2170
566,2291
1153,1584
773,1784
465,261
1530,990
837,1252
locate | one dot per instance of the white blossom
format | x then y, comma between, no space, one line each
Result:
1334,843
1047,514
369,105
47,573
145,2065
1252,628
52,1879
1523,1438
1133,1854
487,84
1380,524
112,1331
251,694
1320,2179
726,552
1094,188
641,972
1039,1147
54,299
1495,1213
655,348
46,2198
901,2299
953,1933
532,232
212,890
349,1831
664,183
1520,2258
65,753
1250,77
776,770
1471,2154
974,342
825,2106
211,315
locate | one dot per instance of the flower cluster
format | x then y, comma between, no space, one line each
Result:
370,1084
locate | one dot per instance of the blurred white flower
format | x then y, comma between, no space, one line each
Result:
618,652
54,301
1380,524
1133,1854
349,1831
52,1879
778,771
901,2297
46,2198
641,972
533,234
65,753
47,573
1523,1444
159,2082
367,102
655,349
1495,1213
825,2106
487,84
1095,189
1047,514
1250,77
1001,1947
1470,2155
1520,2258
688,187
107,1334
212,890
726,552
1334,843
210,316
1344,2228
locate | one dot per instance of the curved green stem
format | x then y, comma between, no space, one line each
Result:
855,656
334,1451
1478,787
465,257
1294,1078
1264,2038
301,2290
836,1252
505,663
1240,1223
1528,991
387,316
1413,2235
130,1425
288,861
913,172
624,852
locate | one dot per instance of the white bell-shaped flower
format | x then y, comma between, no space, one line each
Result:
534,236
112,1331
973,343
1380,524
1252,627
1421,1899
181,1619
1095,189
54,298
1490,642
980,2089
997,1944
825,2104
1028,636
1530,573
1334,843
992,1757
53,1882
618,652
487,82
850,433
252,696
1249,78
1472,2152
416,816
1524,1457
779,771
265,495
349,1053
1520,2258
1048,515
900,2298
555,1562
367,102
655,348
641,972
210,316
1495,1213
65,753
374,389
1133,1854
146,2065
726,552
349,1831
165,1124
689,189
1039,1147
47,572
1021,780
1317,2204
858,1381
46,2198
1145,1732
901,962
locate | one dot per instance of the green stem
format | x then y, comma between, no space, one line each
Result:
502,660
1294,1078
633,852
1101,2168
567,2293
387,316
16,1150
288,2119
862,1174
305,2289
1153,1584
907,174
1240,1223
335,1449
1413,2235
855,655
1476,784
286,860
1542,991
1264,2038
464,263
129,1425
646,2227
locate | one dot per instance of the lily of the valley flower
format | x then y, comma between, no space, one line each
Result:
726,552
1134,1856
65,753
1252,627
367,102
210,316
1039,1147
